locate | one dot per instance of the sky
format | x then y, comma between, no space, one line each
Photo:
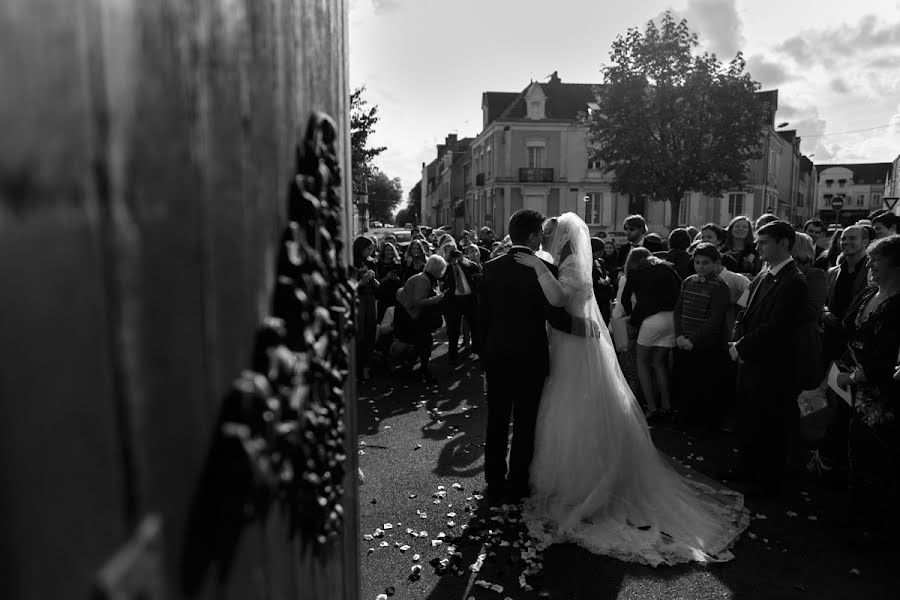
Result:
425,64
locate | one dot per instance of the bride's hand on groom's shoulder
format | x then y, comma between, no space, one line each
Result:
529,260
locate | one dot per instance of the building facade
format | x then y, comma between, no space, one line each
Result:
533,152
892,188
862,188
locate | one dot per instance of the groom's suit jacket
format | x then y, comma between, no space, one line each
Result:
512,315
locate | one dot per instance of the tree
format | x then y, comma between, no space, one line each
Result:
362,125
411,213
384,195
670,121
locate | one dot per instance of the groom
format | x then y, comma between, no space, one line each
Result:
512,313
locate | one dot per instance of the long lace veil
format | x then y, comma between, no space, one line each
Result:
571,252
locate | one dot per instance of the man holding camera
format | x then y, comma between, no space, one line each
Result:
459,283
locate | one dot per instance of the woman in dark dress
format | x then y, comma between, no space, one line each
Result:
873,329
388,269
366,311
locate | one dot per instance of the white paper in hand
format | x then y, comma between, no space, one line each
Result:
832,383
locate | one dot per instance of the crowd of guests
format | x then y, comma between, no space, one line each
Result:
407,292
724,328
716,328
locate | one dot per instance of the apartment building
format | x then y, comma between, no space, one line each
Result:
862,188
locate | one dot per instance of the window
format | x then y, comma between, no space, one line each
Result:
860,199
799,199
535,157
593,208
876,199
772,165
828,182
488,160
841,182
735,204
594,165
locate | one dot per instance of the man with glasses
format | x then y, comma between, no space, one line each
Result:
635,227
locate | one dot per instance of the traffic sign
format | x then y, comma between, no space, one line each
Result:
837,203
890,203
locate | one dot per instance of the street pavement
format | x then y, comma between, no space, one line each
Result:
421,455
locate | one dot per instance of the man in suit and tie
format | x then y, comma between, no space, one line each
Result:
766,343
513,313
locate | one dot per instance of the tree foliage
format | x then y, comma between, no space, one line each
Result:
362,125
413,210
670,120
385,195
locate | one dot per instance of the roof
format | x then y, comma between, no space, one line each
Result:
497,102
788,136
862,172
564,101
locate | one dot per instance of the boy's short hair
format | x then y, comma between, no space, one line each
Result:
708,250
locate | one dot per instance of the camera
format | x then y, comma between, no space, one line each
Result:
454,254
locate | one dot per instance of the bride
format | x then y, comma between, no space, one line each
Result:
597,479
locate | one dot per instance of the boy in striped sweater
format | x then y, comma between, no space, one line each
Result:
701,329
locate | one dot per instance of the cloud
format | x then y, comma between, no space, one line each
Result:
798,49
839,85
831,46
768,73
717,24
386,6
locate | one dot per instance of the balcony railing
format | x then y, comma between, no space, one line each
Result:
479,179
527,175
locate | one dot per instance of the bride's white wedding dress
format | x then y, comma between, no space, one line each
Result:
597,478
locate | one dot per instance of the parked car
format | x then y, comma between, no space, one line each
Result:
403,235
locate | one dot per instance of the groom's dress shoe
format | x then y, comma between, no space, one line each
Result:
493,495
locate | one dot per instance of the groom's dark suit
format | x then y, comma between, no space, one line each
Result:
513,313
768,335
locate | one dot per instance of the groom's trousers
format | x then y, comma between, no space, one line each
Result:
516,395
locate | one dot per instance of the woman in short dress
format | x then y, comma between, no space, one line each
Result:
656,286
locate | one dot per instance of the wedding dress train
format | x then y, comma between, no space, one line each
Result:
597,478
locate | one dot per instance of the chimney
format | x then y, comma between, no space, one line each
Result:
555,77
451,139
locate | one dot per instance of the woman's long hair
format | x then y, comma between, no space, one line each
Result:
359,245
749,242
640,258
834,248
387,245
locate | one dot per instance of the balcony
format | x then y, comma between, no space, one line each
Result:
527,175
479,179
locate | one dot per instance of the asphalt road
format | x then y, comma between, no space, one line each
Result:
422,459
